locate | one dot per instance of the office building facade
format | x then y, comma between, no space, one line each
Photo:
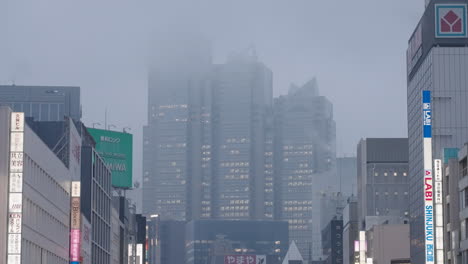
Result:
243,178
304,163
382,179
176,148
28,170
437,59
43,103
96,200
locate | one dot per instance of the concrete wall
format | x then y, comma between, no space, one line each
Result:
389,242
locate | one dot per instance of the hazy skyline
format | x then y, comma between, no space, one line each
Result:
356,49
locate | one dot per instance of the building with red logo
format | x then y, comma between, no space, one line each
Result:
437,61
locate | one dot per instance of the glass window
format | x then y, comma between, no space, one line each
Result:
35,111
54,112
44,112
27,109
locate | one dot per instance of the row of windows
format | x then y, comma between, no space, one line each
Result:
234,214
298,147
297,153
234,164
236,177
404,174
387,193
297,208
174,106
299,183
297,202
234,208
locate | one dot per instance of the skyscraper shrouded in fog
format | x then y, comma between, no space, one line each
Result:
182,178
304,162
242,165
176,172
437,60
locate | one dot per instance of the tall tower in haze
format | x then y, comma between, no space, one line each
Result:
305,137
242,146
176,184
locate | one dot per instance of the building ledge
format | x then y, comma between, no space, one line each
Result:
464,245
463,183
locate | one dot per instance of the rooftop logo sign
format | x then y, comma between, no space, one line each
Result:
451,20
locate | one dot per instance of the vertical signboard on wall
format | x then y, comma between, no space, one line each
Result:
75,224
427,176
15,189
439,211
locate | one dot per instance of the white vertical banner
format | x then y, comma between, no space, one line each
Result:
439,210
15,188
428,181
362,247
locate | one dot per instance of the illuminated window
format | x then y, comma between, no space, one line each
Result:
385,174
376,174
405,174
395,174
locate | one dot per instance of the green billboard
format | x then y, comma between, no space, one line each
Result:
116,150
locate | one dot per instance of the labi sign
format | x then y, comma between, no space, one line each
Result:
116,150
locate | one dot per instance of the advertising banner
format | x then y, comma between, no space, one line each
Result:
439,206
428,179
245,259
116,149
15,189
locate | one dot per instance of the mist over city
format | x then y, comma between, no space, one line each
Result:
233,132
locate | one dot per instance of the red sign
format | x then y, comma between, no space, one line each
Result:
245,259
428,191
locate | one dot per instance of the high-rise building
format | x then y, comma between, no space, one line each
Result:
304,163
44,103
176,145
437,60
382,179
243,177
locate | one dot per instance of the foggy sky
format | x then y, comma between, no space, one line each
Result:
356,49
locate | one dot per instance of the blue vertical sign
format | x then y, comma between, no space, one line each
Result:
427,114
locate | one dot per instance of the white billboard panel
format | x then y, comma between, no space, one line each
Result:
14,259
15,203
16,182
16,162
17,122
14,243
17,141
14,223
